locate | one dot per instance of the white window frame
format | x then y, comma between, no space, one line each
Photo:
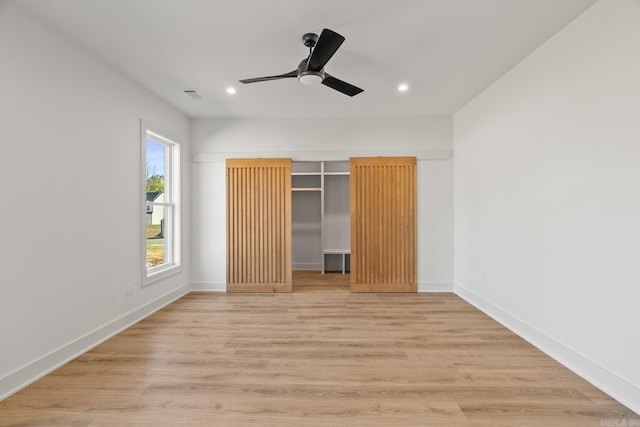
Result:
171,204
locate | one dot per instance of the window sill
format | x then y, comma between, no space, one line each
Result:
161,273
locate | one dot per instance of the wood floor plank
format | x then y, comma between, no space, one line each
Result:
319,356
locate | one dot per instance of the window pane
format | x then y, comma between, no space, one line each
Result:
156,160
156,253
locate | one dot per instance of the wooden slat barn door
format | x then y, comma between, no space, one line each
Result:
383,224
259,225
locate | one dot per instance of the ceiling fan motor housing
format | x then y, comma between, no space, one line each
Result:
310,39
308,77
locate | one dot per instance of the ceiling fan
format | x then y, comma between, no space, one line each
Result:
311,69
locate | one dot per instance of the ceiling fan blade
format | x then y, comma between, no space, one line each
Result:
340,86
327,45
293,73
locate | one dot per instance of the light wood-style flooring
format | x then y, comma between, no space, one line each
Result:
314,358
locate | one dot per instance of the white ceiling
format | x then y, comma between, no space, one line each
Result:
446,50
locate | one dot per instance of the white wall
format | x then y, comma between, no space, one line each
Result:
322,139
547,205
70,210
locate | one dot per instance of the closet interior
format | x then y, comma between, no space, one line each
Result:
320,216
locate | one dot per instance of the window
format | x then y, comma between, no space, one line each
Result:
161,223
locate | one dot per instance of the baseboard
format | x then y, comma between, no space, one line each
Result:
435,287
32,372
209,286
307,266
616,387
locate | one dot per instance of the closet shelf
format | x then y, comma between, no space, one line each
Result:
306,189
306,173
337,173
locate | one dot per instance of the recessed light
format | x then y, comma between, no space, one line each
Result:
231,90
403,87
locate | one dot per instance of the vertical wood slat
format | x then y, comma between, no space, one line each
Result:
383,224
279,241
259,225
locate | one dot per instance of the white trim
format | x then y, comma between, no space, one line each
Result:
162,272
173,195
435,287
159,131
306,266
618,388
37,369
328,156
209,286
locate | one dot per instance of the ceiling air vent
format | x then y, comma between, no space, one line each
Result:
194,94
